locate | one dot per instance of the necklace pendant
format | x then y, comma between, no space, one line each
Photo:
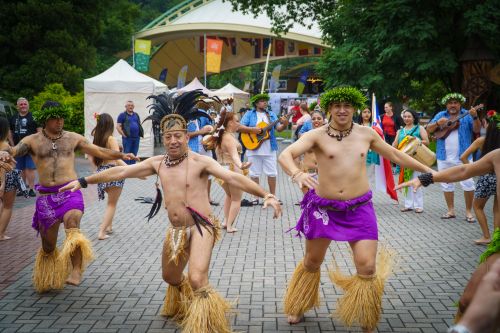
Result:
54,147
339,138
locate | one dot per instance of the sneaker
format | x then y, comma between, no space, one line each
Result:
246,203
32,193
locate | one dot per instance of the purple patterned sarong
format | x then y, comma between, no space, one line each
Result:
349,220
50,208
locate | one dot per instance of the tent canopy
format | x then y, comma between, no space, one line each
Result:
109,91
193,85
229,90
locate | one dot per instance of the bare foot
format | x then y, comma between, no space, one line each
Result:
295,319
103,237
482,241
109,231
4,237
231,230
74,278
224,226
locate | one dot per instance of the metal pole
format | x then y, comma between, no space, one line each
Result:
267,64
133,51
205,58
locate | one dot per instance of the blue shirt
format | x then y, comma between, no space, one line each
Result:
194,142
131,129
306,127
250,120
465,131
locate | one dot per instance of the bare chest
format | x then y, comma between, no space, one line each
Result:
45,148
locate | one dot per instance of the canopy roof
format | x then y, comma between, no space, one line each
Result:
228,90
193,85
178,36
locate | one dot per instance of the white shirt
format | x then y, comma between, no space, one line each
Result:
451,147
265,147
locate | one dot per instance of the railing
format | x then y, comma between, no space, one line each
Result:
175,12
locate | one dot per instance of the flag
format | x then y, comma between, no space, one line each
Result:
266,44
181,78
142,53
163,75
384,181
279,47
302,82
317,50
274,82
214,55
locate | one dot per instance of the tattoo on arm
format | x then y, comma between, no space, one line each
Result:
20,150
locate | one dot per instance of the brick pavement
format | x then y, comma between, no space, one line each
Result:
122,290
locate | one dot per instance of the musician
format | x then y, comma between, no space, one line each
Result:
263,158
449,148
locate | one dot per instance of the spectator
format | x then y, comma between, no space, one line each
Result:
129,127
296,111
22,125
390,123
305,116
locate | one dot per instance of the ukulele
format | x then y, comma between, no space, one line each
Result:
253,141
443,131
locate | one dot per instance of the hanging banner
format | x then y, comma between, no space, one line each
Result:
302,82
266,43
181,78
274,82
279,48
163,75
303,49
214,55
247,86
142,54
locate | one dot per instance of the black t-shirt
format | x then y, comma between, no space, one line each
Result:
22,126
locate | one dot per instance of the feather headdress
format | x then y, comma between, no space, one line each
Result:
173,112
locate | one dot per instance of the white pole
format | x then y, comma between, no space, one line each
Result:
267,64
133,51
205,58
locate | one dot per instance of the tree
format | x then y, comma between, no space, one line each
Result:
384,45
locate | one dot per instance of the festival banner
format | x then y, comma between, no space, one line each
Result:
247,86
279,48
163,75
303,49
142,54
214,55
233,43
258,45
291,48
266,43
317,50
302,82
274,82
181,78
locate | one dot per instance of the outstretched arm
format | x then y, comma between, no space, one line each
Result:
381,147
103,153
139,170
243,183
477,144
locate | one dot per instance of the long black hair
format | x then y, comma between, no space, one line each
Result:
360,116
492,139
4,129
416,119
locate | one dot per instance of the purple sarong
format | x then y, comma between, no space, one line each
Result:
50,208
349,220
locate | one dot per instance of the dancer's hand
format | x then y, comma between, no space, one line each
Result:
6,157
273,202
72,186
415,183
7,166
305,179
245,165
130,157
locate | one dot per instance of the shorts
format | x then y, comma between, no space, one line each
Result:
13,181
25,162
486,186
102,186
263,164
467,184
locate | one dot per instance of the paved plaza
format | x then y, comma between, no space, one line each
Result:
122,290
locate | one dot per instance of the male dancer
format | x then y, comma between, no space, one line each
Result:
338,207
53,151
183,176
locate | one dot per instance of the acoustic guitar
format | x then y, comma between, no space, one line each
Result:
253,141
443,131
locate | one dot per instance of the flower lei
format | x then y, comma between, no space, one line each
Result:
455,96
343,94
42,115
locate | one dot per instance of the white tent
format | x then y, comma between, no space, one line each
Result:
240,97
109,91
193,85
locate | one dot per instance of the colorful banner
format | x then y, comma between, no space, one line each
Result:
142,54
258,45
247,86
291,49
317,51
233,43
266,43
303,49
274,82
302,82
163,75
181,78
279,48
214,55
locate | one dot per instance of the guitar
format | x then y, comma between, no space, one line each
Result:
253,141
443,131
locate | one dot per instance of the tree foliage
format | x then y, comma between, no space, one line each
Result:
385,45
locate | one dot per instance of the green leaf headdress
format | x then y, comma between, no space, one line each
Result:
456,96
51,109
259,97
343,94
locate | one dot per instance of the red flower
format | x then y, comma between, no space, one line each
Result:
491,113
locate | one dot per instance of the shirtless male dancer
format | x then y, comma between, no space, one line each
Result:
338,207
53,151
183,176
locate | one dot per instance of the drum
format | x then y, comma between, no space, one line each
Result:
412,146
208,142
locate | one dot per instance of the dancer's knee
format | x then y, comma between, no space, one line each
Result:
48,248
312,263
172,279
198,280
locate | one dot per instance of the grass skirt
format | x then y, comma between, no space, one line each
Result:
48,272
302,293
178,300
207,313
362,301
74,240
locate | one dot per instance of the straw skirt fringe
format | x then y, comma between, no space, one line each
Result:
302,293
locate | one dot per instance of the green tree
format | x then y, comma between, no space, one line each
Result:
385,45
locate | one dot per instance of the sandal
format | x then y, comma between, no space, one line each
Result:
419,210
448,216
406,209
470,219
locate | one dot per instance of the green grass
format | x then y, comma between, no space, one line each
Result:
284,134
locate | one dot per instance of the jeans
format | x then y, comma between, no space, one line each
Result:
130,145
